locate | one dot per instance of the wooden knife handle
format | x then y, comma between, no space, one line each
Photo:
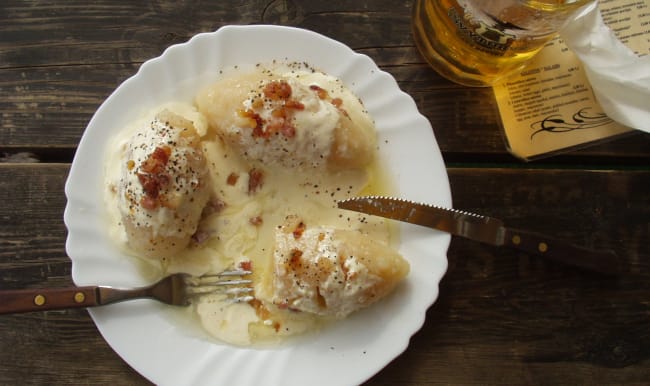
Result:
27,300
605,261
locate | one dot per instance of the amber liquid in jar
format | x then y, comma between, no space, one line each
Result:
478,42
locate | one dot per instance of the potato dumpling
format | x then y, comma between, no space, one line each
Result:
162,188
302,120
330,272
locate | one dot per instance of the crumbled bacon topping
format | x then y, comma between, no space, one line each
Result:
232,178
157,160
294,105
246,265
148,203
299,230
255,121
153,176
321,92
264,313
278,95
279,113
256,220
294,258
278,89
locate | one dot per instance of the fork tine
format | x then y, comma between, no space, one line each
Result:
216,281
229,283
233,272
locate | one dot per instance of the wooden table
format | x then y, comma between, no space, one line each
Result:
502,317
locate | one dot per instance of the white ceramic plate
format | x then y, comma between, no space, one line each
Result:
160,347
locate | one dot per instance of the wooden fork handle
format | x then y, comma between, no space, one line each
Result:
27,300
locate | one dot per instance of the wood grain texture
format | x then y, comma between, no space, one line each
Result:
502,317
59,62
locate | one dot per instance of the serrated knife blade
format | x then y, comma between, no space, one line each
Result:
484,229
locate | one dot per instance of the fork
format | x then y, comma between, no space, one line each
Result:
177,289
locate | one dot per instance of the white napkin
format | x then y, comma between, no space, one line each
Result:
620,79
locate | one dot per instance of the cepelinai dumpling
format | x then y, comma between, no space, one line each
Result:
330,272
162,188
296,119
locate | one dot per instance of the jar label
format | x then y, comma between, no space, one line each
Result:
480,35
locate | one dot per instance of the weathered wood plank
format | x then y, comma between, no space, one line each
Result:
49,107
502,317
585,206
58,63
44,34
58,348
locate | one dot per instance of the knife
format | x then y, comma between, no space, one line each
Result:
486,230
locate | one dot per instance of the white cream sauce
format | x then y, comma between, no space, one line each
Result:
308,192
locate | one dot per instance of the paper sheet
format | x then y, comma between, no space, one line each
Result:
550,106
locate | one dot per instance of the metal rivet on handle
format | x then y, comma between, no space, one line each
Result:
79,297
39,300
542,247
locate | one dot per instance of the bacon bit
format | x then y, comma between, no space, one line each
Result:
256,220
255,180
277,89
337,102
294,258
148,203
153,176
258,103
246,265
258,132
255,121
248,113
283,306
232,178
260,310
263,313
152,183
157,160
321,92
162,153
149,185
294,105
150,165
280,121
300,229
279,113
